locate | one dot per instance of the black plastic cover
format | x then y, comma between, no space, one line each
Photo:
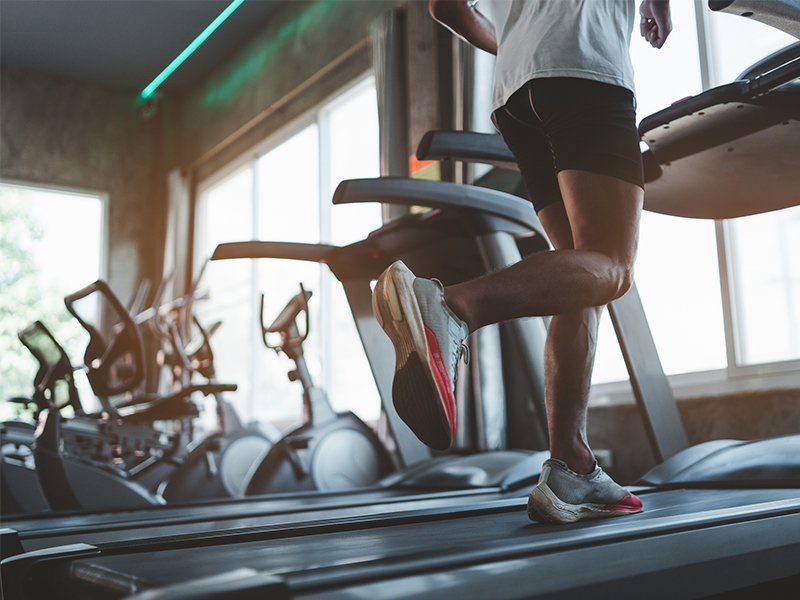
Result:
769,462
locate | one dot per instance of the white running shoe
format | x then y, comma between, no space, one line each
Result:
429,342
563,496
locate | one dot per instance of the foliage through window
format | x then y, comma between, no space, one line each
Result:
51,244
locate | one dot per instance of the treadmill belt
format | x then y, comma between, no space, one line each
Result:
93,529
341,553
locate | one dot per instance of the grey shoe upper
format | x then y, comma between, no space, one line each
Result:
570,487
450,331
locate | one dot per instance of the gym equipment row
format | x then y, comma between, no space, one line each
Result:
143,451
718,517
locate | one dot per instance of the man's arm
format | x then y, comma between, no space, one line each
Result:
465,21
656,22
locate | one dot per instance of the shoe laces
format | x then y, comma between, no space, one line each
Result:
461,352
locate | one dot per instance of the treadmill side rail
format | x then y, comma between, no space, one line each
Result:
438,194
16,572
240,584
467,146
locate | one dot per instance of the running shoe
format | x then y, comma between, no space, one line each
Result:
563,496
429,342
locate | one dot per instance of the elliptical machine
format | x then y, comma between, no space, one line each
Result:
20,491
220,465
330,451
100,461
77,478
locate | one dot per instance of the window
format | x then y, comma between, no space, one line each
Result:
282,192
764,261
677,275
51,244
722,299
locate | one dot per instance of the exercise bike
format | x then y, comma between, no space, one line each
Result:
330,451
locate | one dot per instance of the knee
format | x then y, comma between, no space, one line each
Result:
622,278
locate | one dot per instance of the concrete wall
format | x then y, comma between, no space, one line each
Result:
743,416
67,133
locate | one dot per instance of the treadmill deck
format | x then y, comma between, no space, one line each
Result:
476,551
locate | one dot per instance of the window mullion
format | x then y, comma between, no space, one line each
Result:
326,236
255,301
704,45
325,183
728,295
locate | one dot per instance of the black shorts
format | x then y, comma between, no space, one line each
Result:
555,124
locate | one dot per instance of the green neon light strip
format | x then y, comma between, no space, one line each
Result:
148,91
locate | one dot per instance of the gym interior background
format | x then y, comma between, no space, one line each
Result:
249,138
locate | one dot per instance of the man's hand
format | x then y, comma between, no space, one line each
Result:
461,17
656,23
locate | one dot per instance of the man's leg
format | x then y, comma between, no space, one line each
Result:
603,214
595,233
569,356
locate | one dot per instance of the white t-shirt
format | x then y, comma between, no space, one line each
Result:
586,39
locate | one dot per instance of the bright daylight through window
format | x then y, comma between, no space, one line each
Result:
51,244
691,296
282,192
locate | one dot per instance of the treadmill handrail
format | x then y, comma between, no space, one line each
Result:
768,63
467,146
290,250
438,194
355,261
761,84
738,91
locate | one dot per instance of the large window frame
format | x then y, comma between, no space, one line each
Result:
735,377
102,196
319,116
74,343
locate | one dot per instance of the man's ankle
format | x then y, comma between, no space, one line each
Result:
578,462
459,307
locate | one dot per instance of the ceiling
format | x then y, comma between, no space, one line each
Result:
124,43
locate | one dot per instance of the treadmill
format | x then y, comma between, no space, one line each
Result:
706,530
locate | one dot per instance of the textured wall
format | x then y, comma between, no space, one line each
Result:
67,133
